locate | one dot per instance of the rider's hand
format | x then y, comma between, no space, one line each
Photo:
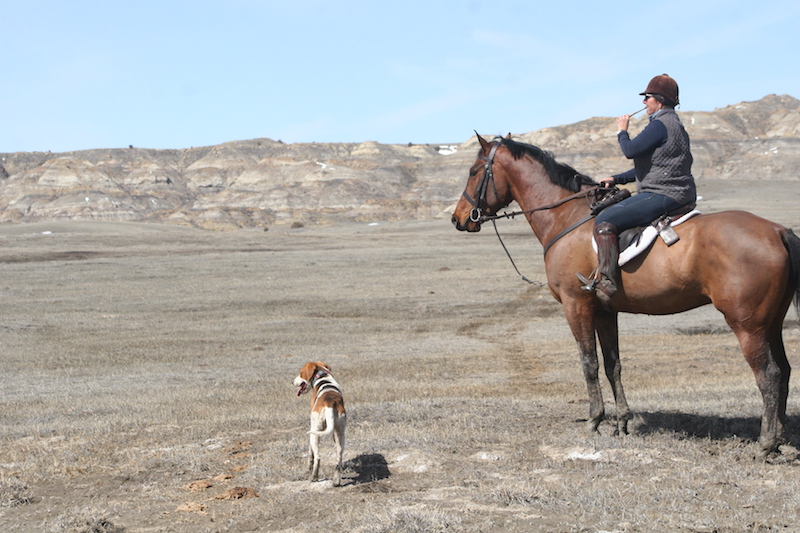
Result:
622,122
607,182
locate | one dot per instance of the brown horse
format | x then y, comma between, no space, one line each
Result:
748,267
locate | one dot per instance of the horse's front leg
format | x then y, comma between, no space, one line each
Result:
606,324
581,323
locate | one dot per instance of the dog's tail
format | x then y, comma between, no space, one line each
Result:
330,416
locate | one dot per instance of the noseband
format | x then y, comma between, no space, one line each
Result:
476,213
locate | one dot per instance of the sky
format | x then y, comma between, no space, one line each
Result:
174,74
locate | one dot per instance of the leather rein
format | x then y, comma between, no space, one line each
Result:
476,213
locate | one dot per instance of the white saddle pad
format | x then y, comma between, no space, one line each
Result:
646,239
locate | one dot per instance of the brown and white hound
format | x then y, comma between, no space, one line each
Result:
327,414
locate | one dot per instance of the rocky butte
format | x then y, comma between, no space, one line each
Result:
262,182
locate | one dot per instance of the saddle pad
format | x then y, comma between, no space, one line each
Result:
646,238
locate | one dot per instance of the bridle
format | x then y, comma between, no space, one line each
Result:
476,213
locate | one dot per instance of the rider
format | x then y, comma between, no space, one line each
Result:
663,171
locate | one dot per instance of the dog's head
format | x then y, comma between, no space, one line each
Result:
308,374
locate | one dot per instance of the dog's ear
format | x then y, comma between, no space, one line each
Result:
319,365
308,370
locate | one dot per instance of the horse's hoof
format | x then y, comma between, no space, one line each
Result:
593,427
768,449
770,445
621,428
764,456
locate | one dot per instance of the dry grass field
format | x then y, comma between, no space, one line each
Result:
147,370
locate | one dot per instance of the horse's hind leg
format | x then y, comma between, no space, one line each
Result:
766,356
608,333
779,354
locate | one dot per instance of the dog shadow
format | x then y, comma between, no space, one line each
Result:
716,428
367,468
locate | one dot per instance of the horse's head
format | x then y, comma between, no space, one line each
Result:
486,191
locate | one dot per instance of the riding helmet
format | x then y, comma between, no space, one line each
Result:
666,87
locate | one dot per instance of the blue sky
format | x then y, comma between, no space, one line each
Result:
79,74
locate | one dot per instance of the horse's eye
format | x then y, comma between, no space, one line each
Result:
473,172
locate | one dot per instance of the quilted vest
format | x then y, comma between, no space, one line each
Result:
668,170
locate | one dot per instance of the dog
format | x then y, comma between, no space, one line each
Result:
328,415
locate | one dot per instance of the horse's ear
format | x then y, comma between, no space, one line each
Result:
484,144
508,136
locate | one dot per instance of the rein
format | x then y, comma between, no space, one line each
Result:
546,248
476,214
581,194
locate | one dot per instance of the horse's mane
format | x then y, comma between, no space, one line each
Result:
560,174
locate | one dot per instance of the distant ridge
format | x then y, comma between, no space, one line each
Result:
262,182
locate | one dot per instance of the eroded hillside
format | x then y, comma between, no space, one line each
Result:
262,182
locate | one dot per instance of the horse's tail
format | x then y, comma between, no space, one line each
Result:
792,243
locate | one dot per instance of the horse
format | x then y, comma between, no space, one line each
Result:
746,266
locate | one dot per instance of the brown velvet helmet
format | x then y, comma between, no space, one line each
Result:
665,86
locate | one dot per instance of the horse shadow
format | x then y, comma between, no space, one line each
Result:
367,468
716,428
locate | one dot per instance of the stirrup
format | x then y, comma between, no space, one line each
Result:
589,284
605,290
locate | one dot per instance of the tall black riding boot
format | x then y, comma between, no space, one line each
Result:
604,285
605,234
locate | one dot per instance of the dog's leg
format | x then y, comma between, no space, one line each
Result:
314,460
338,438
310,453
313,448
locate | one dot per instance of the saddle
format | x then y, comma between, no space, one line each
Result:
634,241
